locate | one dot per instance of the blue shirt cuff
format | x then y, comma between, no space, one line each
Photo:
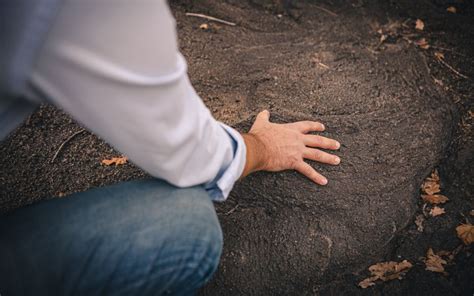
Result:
220,187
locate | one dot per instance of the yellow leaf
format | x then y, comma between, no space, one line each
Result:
420,25
466,233
437,211
451,9
434,262
385,271
115,160
434,199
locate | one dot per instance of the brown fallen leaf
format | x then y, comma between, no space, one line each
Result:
451,9
437,211
386,271
434,198
204,26
466,233
449,255
115,160
422,43
368,282
431,184
434,262
420,25
439,55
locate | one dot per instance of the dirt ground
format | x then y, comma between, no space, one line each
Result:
400,110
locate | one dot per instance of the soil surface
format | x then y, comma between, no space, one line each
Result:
398,109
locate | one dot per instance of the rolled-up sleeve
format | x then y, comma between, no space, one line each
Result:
117,70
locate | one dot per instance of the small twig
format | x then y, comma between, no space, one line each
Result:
232,210
448,49
325,10
211,18
452,69
323,65
65,142
423,210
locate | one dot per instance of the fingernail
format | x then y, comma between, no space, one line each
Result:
324,181
323,127
337,160
338,145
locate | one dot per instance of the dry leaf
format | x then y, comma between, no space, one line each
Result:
368,282
437,211
448,254
434,262
204,26
115,160
430,187
466,233
422,43
419,223
451,9
431,184
434,176
385,271
439,55
434,199
420,25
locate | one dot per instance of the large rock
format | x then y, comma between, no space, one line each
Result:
284,234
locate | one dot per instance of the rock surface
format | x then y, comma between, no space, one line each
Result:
283,234
287,234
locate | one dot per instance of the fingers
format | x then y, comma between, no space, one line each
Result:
321,156
305,169
321,142
307,126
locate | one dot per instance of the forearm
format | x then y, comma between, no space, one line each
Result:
142,104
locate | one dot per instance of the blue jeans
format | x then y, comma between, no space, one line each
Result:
136,238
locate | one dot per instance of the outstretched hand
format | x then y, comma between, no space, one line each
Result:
277,147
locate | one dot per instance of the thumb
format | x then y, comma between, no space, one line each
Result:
263,116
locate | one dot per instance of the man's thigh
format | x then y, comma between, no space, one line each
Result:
140,237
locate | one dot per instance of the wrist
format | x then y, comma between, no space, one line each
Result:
255,156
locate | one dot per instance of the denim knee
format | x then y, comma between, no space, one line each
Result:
137,238
203,234
205,258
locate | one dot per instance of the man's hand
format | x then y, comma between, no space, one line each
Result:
277,147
